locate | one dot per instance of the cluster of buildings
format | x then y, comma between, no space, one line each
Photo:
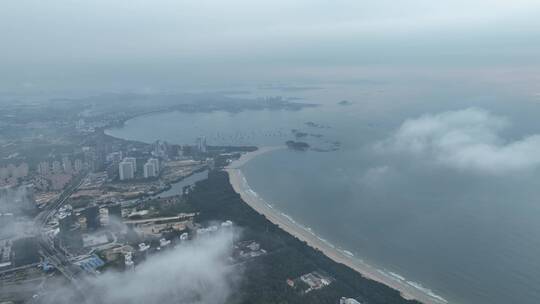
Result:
201,145
155,227
161,149
127,168
56,175
71,223
310,281
84,126
154,234
246,250
5,253
66,166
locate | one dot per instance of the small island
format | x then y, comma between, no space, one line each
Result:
344,103
316,125
298,133
297,145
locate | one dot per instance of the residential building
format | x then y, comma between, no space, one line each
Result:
57,167
66,165
149,170
126,170
155,162
44,168
78,165
132,160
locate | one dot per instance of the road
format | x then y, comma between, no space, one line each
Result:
54,255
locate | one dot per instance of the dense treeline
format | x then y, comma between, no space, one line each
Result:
264,278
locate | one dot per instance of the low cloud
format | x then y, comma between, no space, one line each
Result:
374,175
16,200
465,140
13,203
194,273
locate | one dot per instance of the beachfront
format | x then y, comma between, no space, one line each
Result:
409,290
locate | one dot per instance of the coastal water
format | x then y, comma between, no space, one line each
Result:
468,237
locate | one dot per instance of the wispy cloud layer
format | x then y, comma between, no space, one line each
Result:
194,273
466,140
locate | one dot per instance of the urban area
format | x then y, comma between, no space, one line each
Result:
76,204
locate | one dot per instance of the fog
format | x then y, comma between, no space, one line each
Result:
13,203
197,272
15,200
166,44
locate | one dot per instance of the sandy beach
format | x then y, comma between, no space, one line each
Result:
408,289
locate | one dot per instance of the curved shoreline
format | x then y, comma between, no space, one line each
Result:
408,289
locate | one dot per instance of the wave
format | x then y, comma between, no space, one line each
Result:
427,291
399,278
388,274
396,276
253,193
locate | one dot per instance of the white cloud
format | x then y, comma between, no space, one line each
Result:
466,140
195,273
374,175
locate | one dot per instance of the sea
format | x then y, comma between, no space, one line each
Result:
457,234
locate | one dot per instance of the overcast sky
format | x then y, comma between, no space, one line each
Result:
73,42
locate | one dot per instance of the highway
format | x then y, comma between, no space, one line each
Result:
54,255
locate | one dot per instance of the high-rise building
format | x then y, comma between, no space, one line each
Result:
66,165
132,160
161,149
155,162
201,144
44,168
80,124
126,170
78,165
149,170
92,217
57,167
115,211
94,158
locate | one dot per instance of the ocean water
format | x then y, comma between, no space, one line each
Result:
468,237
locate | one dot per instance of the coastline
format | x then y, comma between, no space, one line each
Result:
409,290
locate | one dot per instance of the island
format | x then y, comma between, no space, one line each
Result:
297,145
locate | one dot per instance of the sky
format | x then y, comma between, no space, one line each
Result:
120,43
